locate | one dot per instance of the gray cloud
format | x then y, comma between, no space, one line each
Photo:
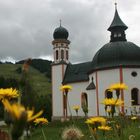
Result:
26,26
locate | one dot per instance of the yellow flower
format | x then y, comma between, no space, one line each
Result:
94,120
8,93
112,101
89,121
40,121
31,116
17,110
66,88
105,128
76,107
133,118
118,86
108,110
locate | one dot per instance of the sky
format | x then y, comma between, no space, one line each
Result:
27,26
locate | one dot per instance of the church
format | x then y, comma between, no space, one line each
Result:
118,61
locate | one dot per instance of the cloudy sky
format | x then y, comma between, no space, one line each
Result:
26,26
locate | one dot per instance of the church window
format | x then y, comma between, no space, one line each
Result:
119,34
67,55
108,94
84,102
135,96
115,34
56,54
134,74
62,54
56,45
62,44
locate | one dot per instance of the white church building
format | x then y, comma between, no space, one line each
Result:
116,62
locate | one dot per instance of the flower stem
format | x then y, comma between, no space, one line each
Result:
90,130
44,137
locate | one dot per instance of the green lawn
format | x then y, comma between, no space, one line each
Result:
54,129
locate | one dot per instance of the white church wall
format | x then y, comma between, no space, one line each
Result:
92,97
131,82
74,98
105,78
57,98
92,106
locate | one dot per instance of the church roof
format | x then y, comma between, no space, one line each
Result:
60,33
114,54
77,72
118,52
117,22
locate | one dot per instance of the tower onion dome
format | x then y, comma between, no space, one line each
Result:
118,52
60,33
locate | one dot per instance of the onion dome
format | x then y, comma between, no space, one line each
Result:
115,54
60,33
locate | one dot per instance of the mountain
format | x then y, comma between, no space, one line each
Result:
44,66
40,83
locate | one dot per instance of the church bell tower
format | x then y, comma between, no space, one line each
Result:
59,65
61,45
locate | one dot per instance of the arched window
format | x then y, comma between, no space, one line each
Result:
67,55
119,35
56,54
134,96
84,100
62,54
108,94
115,34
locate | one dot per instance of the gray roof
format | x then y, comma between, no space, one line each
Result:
117,22
77,72
115,54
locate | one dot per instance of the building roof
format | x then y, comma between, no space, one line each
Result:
114,54
117,22
118,52
60,33
77,72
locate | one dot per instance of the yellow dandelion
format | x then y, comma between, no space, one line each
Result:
89,121
112,101
31,116
94,120
134,118
108,110
8,93
17,110
118,86
104,128
41,121
76,107
66,88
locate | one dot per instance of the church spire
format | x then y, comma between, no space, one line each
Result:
117,28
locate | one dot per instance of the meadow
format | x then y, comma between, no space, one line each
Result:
53,131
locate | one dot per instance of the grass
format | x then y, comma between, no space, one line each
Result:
38,80
54,130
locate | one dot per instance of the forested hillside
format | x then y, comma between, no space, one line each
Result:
44,66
